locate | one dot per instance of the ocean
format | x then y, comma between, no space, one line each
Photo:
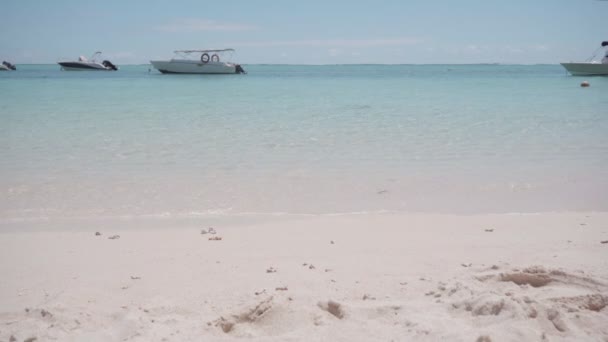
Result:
299,139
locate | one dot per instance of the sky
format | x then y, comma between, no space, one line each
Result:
306,32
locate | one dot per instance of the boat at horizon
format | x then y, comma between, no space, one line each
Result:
591,67
6,66
88,64
213,61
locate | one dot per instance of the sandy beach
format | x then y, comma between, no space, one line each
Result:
368,277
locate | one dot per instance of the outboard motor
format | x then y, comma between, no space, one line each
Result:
239,69
9,65
109,65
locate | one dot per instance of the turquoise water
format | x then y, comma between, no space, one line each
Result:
301,139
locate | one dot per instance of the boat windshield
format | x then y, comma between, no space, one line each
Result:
95,55
205,56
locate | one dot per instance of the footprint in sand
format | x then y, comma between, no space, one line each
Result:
333,308
250,315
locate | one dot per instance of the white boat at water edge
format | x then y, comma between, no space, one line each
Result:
6,66
591,67
88,64
199,62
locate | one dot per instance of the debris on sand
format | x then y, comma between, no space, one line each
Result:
114,237
210,230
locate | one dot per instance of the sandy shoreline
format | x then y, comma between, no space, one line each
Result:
376,277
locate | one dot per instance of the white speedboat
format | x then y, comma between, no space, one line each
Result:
88,64
6,66
591,67
199,62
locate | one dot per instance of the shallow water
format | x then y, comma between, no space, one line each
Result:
301,140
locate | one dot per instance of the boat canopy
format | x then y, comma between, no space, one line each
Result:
203,51
605,43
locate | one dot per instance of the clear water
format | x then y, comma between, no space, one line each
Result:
301,139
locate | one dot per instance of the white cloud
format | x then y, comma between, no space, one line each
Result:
196,25
334,43
334,52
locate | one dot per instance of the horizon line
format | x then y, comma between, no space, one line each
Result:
335,64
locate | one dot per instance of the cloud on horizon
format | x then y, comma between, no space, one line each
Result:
335,43
199,25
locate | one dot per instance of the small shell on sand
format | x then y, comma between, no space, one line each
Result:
211,230
114,237
368,297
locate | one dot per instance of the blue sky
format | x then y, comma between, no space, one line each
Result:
306,32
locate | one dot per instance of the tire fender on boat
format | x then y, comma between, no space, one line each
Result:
215,58
205,58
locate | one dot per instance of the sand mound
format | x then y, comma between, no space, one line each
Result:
556,301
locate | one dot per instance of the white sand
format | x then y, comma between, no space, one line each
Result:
385,278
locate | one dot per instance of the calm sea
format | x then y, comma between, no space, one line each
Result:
301,140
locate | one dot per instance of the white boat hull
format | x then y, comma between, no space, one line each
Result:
82,66
4,68
193,67
586,69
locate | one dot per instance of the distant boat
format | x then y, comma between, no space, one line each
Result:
591,67
6,66
88,64
199,62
